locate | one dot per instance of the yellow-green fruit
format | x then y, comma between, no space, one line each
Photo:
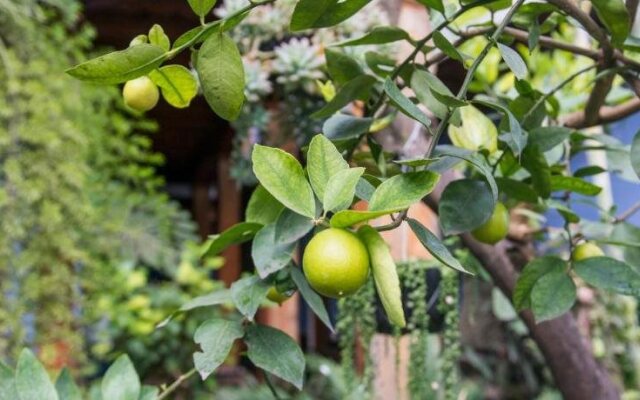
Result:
336,263
385,274
276,296
586,250
140,94
496,228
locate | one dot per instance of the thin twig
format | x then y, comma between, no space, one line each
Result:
562,84
176,384
393,225
271,386
606,114
628,213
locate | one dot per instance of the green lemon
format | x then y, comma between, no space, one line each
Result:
141,94
496,228
336,263
586,250
277,297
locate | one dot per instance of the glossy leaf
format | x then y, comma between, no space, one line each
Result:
515,137
474,159
385,274
572,184
275,352
347,218
609,274
177,84
158,38
589,170
401,191
341,189
356,89
282,175
437,89
262,208
291,226
121,381
422,88
404,104
553,294
364,189
148,392
221,75
565,212
446,46
120,66
201,7
313,299
531,273
216,338
342,126
517,190
66,387
342,67
32,381
339,11
323,161
534,161
513,60
378,35
238,233
7,383
548,137
269,254
465,205
307,12
435,246
247,294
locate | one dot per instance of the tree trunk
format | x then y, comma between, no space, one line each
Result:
576,373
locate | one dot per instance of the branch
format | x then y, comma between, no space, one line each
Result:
632,8
597,98
569,7
606,114
550,43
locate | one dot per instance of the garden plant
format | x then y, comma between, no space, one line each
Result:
520,159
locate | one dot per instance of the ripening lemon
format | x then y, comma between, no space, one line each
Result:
496,228
277,297
141,94
336,263
586,250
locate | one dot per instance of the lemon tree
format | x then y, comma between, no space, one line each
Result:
514,135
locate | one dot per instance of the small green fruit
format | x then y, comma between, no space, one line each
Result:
141,94
336,263
586,250
274,295
496,228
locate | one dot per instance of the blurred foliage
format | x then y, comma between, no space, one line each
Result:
89,244
283,73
